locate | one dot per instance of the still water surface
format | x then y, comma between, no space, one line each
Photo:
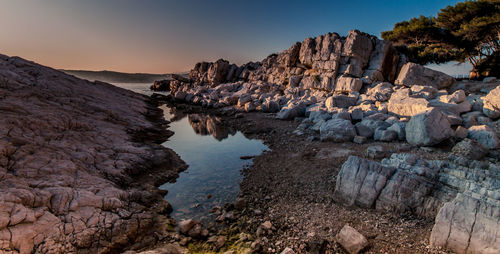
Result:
212,150
213,153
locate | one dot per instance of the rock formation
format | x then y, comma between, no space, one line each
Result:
358,87
463,195
72,153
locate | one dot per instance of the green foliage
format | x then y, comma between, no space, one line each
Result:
468,31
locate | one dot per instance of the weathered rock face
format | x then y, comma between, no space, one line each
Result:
69,150
414,74
314,63
383,63
465,197
491,102
428,128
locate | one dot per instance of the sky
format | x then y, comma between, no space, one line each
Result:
153,36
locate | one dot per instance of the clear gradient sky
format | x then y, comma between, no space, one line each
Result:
171,36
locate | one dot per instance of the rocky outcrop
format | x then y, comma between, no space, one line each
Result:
350,76
72,153
414,74
462,195
161,85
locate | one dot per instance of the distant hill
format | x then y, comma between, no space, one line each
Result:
117,77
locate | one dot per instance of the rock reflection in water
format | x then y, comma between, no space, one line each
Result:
210,125
212,150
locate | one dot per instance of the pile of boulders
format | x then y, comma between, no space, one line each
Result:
349,88
358,88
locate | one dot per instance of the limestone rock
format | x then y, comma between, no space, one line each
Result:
348,84
337,130
383,62
358,46
470,149
484,135
161,85
402,104
360,181
414,74
351,240
468,225
340,101
428,128
381,92
291,111
491,102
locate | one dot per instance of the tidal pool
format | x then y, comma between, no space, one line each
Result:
212,151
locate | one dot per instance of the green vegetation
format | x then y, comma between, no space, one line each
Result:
468,31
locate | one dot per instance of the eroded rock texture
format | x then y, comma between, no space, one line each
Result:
69,153
462,195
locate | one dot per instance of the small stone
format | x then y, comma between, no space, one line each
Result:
288,250
460,132
186,225
376,152
221,240
359,140
351,240
240,204
267,225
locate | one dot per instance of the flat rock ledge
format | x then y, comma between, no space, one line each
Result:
73,158
463,196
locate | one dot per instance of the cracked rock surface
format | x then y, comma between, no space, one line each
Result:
463,196
71,153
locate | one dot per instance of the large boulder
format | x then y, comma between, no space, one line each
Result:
291,111
428,128
217,72
381,92
358,47
360,181
470,149
348,84
402,104
468,224
306,52
290,57
415,74
337,130
491,102
383,62
161,85
484,135
340,101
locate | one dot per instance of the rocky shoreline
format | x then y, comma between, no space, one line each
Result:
438,139
79,164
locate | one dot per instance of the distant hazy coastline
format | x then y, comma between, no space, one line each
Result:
117,77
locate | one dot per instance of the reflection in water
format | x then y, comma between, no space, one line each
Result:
207,124
212,151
